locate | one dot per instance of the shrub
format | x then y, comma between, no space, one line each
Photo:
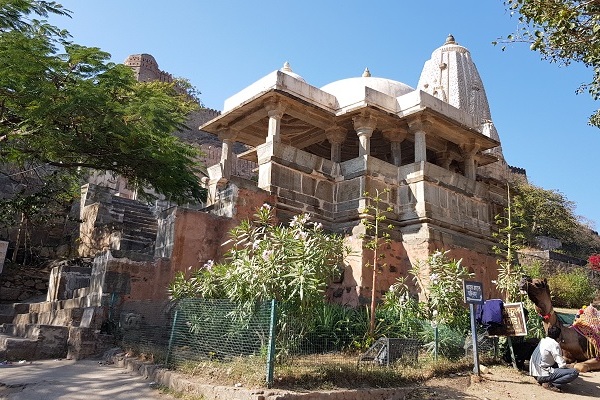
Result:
444,289
291,264
571,289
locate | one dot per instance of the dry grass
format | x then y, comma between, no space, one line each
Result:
321,373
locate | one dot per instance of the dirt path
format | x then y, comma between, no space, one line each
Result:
73,380
503,383
89,380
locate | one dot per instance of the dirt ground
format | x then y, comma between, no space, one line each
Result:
504,383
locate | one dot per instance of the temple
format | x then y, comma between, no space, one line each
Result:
432,152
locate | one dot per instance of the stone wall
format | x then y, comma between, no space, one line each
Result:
20,283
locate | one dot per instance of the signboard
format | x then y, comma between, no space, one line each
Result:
473,292
513,321
3,249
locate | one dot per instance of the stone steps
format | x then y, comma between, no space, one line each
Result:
139,225
17,348
33,342
58,329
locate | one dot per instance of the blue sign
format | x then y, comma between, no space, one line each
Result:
473,292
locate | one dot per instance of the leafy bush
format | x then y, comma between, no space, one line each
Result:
291,264
443,290
400,314
571,289
450,340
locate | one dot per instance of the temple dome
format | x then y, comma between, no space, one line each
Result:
451,75
354,87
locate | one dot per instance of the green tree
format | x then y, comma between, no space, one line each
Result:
541,212
562,31
66,110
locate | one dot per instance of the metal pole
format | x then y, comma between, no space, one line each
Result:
512,353
436,338
474,336
271,349
171,338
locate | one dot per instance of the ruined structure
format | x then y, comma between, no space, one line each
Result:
319,150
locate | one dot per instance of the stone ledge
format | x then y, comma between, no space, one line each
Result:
180,383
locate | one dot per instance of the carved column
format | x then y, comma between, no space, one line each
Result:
228,136
336,136
275,111
469,151
396,136
420,128
364,125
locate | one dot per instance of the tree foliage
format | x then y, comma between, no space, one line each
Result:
541,212
66,110
536,212
563,31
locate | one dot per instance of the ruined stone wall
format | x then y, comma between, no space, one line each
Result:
19,283
146,69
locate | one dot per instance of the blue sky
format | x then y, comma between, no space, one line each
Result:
223,46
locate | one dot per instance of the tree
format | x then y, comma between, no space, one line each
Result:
66,110
375,237
563,31
540,212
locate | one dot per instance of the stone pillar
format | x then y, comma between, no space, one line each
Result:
396,136
470,167
228,137
275,111
419,127
364,125
336,136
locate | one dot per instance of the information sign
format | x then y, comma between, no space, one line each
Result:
513,321
473,292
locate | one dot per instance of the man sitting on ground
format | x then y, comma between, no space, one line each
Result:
547,364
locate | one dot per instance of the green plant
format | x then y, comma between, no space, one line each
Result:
510,239
291,264
450,340
401,314
571,289
443,289
376,237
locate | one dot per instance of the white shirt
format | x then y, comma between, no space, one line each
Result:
544,356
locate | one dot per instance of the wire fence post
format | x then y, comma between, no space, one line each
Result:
271,348
173,327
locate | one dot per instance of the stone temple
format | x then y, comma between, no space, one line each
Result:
319,150
432,152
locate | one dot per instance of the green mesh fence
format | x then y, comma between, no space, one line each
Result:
144,328
218,330
198,335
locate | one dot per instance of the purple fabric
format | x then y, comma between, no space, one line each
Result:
490,314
